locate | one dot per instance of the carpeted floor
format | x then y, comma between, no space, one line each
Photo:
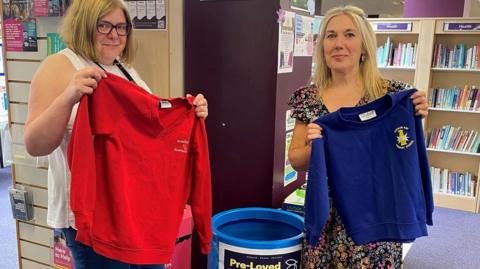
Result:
8,241
453,242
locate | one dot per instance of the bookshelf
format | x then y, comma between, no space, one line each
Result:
454,152
453,110
426,75
391,60
455,73
438,69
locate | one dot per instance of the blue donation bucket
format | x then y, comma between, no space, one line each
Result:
256,238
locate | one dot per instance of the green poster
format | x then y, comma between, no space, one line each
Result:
299,4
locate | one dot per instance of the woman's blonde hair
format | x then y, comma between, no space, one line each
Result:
80,25
372,80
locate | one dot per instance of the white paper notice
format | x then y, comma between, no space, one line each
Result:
289,174
286,43
132,8
141,9
303,36
160,9
289,121
151,12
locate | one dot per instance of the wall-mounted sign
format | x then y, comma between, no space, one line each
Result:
20,26
50,8
392,26
149,14
463,26
286,41
62,256
289,173
305,5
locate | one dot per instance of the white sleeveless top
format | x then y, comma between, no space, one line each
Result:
59,214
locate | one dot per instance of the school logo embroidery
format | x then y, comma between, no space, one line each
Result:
403,139
182,146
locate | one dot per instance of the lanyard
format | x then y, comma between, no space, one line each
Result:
122,69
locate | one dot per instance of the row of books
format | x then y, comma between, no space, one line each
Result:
467,98
54,43
457,57
445,181
403,55
454,138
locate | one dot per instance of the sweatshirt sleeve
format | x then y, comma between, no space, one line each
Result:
81,160
317,205
424,169
201,195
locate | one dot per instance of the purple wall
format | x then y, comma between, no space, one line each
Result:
433,8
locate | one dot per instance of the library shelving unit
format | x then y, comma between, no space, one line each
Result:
393,33
422,75
442,77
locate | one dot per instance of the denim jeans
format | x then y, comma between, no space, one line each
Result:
85,258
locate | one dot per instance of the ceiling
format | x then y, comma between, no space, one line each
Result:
388,8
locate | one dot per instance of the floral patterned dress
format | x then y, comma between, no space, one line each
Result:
336,250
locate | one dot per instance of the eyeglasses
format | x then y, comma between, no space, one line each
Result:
105,27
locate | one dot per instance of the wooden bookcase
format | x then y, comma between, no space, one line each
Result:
428,32
400,73
449,78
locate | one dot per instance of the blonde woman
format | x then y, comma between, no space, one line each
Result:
346,75
99,39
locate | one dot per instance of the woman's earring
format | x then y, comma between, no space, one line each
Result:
362,58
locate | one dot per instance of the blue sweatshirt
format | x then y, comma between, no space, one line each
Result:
373,161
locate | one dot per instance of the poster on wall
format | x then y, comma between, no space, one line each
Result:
317,20
289,174
20,26
62,256
289,121
2,72
299,4
149,14
303,36
285,41
305,5
50,8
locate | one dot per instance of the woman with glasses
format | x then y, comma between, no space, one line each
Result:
98,34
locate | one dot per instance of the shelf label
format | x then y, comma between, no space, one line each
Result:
392,26
464,26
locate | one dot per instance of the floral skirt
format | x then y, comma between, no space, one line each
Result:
336,250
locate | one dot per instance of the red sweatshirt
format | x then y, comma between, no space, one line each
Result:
135,161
